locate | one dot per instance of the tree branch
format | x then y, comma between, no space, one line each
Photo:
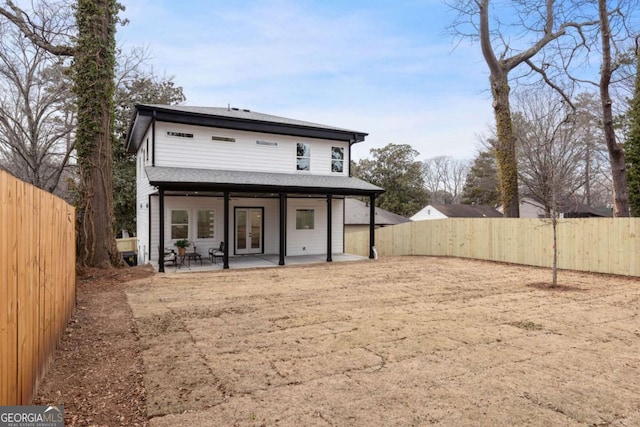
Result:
548,81
22,21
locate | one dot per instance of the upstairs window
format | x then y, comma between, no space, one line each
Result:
303,157
179,224
180,134
337,159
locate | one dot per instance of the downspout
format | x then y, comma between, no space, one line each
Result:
372,226
225,264
329,231
149,226
153,139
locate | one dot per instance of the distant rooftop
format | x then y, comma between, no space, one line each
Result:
357,213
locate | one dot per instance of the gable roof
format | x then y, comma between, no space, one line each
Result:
357,213
570,207
467,211
172,178
231,118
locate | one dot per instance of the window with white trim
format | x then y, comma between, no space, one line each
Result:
337,159
305,219
205,224
179,224
303,156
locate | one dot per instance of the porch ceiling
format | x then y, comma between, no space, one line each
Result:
187,179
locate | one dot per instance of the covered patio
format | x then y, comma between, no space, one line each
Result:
258,187
252,261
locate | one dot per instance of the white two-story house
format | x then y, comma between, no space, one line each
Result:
261,184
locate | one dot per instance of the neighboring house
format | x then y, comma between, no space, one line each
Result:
530,208
357,216
455,211
261,184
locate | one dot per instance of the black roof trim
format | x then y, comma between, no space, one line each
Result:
186,179
244,120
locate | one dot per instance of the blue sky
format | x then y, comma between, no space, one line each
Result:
382,67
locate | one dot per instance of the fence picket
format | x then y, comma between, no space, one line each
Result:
600,245
37,284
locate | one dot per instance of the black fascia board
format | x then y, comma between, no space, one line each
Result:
144,114
252,188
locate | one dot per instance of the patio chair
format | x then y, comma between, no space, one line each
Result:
216,253
170,256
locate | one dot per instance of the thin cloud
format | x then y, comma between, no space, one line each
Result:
379,68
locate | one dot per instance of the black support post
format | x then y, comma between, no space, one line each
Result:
153,140
372,225
225,264
283,228
161,228
329,231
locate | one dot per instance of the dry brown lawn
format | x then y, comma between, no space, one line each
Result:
400,341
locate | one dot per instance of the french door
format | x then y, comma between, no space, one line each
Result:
249,224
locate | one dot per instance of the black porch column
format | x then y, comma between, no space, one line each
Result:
283,228
372,225
161,236
225,263
329,232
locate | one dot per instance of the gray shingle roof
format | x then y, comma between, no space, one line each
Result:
468,211
231,118
357,213
257,181
237,113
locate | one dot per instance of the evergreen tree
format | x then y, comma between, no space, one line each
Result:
482,186
632,146
139,90
395,169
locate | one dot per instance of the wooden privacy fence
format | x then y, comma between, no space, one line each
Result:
37,284
602,245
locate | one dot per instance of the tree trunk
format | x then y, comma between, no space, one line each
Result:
616,152
94,69
506,146
94,87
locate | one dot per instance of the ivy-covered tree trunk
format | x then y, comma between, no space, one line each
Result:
505,148
93,75
94,65
616,152
632,146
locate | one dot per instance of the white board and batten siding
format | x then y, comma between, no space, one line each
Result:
299,242
143,190
314,242
251,151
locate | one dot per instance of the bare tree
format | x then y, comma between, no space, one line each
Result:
537,24
597,189
37,113
550,157
616,150
92,45
444,178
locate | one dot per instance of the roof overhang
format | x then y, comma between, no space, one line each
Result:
242,120
187,179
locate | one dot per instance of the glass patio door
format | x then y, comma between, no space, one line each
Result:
249,230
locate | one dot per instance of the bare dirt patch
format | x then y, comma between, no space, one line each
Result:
97,370
400,341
